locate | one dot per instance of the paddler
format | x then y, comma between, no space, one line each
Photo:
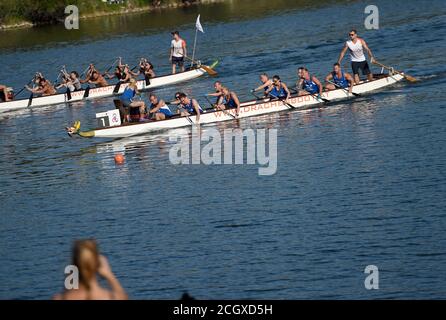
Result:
127,99
266,83
70,81
97,79
159,108
5,94
278,89
189,106
308,84
339,79
44,87
356,48
145,68
218,90
228,100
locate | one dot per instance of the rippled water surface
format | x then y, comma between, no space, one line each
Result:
358,183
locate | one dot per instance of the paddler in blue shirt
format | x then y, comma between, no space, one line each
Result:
339,79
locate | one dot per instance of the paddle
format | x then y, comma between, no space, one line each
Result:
257,97
181,108
283,100
117,87
314,95
338,86
30,100
111,66
68,92
224,111
24,87
86,92
406,76
82,74
208,69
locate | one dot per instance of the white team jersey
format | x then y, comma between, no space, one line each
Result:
177,47
356,51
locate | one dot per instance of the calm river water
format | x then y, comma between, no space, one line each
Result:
358,183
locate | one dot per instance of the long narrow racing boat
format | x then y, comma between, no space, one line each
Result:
247,109
107,91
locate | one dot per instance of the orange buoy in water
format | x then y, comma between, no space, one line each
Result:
119,158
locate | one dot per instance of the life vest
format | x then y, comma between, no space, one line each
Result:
341,82
310,86
229,103
278,93
190,107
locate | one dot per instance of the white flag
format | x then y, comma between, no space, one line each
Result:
198,24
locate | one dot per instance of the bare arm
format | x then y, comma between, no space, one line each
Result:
105,271
329,77
343,51
316,80
161,103
350,80
369,52
197,109
285,87
237,102
184,48
263,86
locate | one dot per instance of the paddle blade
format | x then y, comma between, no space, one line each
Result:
209,70
410,78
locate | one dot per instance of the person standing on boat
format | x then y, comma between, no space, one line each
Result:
278,89
356,48
158,108
228,100
266,83
178,51
307,84
127,99
189,106
339,79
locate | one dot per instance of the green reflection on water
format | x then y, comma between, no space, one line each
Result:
152,22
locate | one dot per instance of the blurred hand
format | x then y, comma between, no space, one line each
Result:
104,267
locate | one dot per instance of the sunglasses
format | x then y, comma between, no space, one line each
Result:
351,34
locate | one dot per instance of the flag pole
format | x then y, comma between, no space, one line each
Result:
195,44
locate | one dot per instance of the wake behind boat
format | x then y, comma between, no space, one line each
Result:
247,109
107,91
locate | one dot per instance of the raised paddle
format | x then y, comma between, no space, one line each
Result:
208,69
224,111
283,100
406,76
339,87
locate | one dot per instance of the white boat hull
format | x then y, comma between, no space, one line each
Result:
247,109
103,92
